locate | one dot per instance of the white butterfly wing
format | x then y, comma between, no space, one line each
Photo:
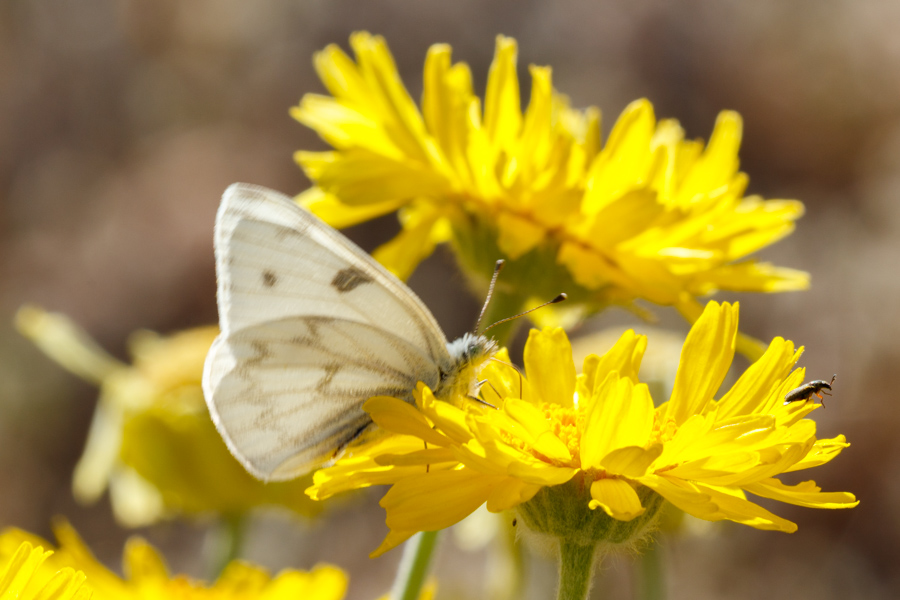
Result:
286,395
311,328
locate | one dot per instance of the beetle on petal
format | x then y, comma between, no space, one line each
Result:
808,390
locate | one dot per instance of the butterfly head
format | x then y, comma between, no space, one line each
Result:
468,354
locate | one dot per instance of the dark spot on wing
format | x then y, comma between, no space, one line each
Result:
261,349
349,279
269,279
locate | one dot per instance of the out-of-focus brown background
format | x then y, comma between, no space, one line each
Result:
121,123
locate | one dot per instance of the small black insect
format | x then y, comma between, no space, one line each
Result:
808,390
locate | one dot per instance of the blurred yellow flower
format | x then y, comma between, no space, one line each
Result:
22,576
649,215
151,440
589,457
146,574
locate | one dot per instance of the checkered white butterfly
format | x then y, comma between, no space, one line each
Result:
311,327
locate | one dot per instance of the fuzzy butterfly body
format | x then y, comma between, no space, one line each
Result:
311,327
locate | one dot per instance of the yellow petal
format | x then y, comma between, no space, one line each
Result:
66,343
323,582
617,499
593,441
650,277
625,357
518,235
502,112
360,469
344,126
20,569
621,415
738,509
446,98
487,454
705,359
539,472
822,452
397,109
339,215
535,140
751,276
806,493
143,563
631,461
624,161
719,161
590,268
549,367
341,76
733,435
437,500
358,176
450,420
531,426
755,389
101,452
628,215
412,245
711,469
684,496
444,458
397,416
510,493
65,584
391,541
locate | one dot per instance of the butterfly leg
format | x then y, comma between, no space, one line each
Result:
479,400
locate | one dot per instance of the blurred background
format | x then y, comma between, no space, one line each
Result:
122,122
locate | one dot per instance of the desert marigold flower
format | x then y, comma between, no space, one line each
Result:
72,572
649,215
152,442
588,458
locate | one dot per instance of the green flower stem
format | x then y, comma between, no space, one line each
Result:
651,585
576,569
414,565
228,542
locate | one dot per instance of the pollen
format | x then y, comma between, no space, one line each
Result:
566,423
663,431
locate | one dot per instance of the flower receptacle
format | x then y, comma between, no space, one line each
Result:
562,512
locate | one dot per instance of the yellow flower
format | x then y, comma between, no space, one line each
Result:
649,215
147,576
589,457
23,577
152,441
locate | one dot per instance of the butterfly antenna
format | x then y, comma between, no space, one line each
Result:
556,300
498,266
